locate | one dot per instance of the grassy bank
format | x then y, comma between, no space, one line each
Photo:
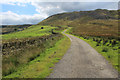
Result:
20,52
32,31
42,66
109,48
19,48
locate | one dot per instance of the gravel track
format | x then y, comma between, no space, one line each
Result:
82,61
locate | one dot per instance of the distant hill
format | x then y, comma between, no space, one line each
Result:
73,16
99,22
12,28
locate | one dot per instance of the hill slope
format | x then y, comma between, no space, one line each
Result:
93,23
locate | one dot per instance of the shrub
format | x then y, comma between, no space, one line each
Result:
109,56
105,49
32,58
105,41
114,43
110,41
108,44
99,41
96,40
42,27
97,44
118,47
118,51
93,39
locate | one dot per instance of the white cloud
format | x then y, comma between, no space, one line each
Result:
23,2
13,18
29,1
19,4
46,9
51,8
11,3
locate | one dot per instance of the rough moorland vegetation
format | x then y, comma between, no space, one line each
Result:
98,22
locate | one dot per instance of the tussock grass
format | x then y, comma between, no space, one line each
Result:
108,52
105,28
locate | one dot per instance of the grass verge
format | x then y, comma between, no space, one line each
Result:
111,53
42,66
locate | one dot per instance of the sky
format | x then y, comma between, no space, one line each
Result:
13,12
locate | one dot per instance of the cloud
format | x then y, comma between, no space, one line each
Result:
46,9
18,4
51,8
13,18
23,2
29,1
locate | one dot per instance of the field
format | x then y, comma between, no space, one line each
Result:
32,31
105,28
20,48
13,28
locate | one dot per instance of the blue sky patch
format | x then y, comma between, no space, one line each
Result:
21,10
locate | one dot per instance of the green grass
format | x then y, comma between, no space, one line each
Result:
32,31
109,52
27,52
42,66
